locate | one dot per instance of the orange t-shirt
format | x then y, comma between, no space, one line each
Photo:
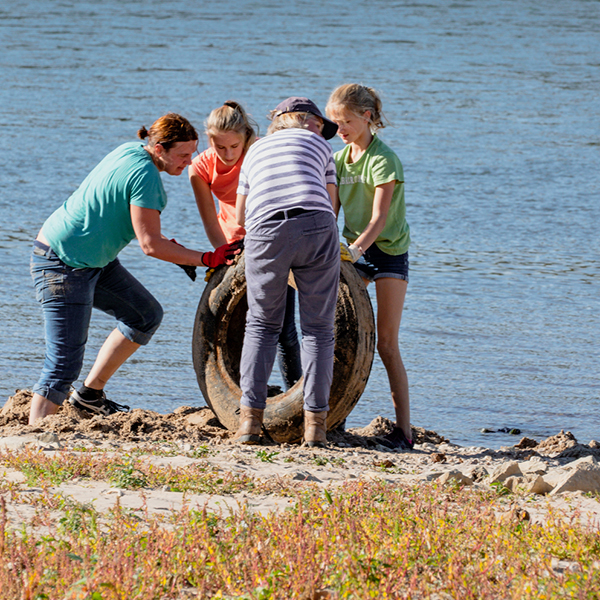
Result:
224,187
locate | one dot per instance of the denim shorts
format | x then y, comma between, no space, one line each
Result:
67,296
375,264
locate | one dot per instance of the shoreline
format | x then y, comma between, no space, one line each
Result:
551,469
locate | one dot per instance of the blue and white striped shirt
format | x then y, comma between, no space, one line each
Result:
287,169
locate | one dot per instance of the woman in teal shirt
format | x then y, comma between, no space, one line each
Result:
75,267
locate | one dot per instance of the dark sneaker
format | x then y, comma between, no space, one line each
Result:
396,439
100,406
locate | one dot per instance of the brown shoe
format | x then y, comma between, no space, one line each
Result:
315,429
250,428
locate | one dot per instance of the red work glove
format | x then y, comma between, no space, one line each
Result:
223,255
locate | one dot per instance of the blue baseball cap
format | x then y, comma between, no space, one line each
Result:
298,104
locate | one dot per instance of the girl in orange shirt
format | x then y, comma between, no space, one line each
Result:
216,171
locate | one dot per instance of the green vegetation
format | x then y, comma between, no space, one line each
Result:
265,456
124,471
356,541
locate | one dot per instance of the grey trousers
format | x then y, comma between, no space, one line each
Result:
308,245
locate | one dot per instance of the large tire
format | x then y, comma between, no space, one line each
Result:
217,348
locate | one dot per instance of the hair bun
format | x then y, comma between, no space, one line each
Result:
232,104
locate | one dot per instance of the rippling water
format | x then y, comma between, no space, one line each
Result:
494,111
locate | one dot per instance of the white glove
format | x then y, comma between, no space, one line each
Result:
350,253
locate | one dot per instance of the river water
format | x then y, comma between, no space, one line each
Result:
494,110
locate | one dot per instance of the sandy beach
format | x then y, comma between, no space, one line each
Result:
193,436
167,506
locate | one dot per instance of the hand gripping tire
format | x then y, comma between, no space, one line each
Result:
217,348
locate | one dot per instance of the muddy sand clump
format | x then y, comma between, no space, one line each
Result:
193,425
565,445
185,424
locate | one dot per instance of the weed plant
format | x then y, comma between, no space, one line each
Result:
359,541
265,456
122,470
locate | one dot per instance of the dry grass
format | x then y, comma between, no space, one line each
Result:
360,541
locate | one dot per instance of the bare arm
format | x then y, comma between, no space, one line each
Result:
240,209
146,224
333,194
381,206
207,210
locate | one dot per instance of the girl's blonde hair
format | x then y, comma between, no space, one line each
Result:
231,117
291,120
357,99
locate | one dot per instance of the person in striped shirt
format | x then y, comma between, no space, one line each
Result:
285,198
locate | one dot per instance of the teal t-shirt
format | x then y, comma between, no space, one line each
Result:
94,224
356,184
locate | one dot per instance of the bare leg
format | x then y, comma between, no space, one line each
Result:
390,302
41,407
114,352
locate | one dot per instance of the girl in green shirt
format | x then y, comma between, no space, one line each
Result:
371,192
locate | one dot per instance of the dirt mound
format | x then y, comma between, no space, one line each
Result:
526,443
194,425
371,435
378,427
16,410
565,445
185,424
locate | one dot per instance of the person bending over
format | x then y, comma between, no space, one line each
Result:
216,171
285,201
75,268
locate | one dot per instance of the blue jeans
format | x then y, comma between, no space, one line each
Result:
67,296
308,245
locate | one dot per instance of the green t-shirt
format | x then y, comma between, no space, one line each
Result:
357,182
94,224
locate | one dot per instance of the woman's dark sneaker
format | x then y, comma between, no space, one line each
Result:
100,406
396,439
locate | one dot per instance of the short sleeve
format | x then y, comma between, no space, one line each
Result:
203,167
386,168
243,187
338,157
146,189
330,173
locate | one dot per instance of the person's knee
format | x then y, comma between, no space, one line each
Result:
388,349
148,322
152,320
156,317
